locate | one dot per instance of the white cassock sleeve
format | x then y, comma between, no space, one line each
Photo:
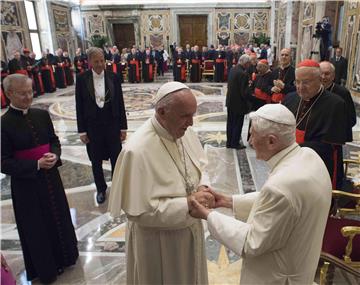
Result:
169,213
242,205
228,231
268,229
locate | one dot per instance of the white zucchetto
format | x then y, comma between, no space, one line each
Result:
168,88
276,113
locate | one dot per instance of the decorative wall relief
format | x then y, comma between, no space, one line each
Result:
260,21
61,20
353,4
349,35
295,23
9,14
241,38
238,26
307,42
309,11
62,25
62,42
224,21
96,24
155,28
223,37
242,21
356,74
13,42
156,23
156,40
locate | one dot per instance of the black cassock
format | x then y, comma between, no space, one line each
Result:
60,77
148,69
41,209
324,121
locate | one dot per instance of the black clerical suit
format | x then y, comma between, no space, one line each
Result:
102,125
341,65
237,102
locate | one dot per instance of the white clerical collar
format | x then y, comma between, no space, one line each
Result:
24,111
99,76
160,130
275,159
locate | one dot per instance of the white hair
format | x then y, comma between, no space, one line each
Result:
244,59
13,80
285,133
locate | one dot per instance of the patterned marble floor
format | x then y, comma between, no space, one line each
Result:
101,239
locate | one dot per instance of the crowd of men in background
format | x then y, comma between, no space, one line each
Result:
136,65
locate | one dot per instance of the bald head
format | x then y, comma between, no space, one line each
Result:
285,57
327,73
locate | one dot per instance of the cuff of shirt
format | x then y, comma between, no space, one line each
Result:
38,165
82,134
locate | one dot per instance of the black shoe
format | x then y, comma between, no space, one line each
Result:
241,146
100,197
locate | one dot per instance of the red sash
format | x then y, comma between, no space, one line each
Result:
262,95
136,69
253,76
41,84
151,71
33,153
114,67
277,97
79,66
47,67
183,72
195,61
219,60
3,99
300,136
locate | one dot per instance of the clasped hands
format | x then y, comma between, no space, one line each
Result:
205,199
48,160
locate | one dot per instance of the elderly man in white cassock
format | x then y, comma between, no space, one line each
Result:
157,175
278,231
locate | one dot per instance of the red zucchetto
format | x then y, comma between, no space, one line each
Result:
263,61
308,63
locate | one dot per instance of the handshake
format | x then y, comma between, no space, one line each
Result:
205,199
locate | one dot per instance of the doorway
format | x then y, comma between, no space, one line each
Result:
193,30
124,35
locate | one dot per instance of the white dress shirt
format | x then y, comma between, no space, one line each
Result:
99,87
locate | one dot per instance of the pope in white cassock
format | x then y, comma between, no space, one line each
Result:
278,231
157,175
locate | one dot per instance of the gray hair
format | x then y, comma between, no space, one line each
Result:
244,59
13,80
285,133
94,50
332,67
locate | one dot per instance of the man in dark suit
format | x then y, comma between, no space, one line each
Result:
237,102
341,65
327,71
101,117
